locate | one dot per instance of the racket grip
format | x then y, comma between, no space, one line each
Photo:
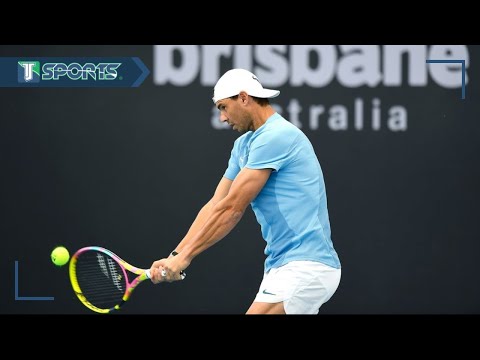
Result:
164,273
182,274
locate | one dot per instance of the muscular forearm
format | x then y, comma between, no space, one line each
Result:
214,221
197,224
221,221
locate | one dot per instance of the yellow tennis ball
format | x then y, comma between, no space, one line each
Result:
60,256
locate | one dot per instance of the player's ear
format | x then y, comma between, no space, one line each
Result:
243,97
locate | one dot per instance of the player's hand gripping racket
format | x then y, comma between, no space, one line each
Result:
100,278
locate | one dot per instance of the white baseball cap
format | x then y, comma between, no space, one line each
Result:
236,80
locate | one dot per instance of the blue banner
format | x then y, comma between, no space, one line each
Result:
72,72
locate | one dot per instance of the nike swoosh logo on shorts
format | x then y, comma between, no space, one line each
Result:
267,293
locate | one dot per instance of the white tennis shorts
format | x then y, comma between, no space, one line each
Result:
303,286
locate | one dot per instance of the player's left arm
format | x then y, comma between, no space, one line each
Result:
224,216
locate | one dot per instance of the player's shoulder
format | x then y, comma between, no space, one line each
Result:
242,139
281,128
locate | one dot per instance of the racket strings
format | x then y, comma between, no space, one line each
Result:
101,279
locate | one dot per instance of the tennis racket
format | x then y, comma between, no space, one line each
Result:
100,278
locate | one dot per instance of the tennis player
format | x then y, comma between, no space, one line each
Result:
272,167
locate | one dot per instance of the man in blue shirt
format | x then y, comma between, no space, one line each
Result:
273,167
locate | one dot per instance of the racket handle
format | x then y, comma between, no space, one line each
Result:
164,273
182,274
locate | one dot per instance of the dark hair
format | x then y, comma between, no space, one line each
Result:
259,101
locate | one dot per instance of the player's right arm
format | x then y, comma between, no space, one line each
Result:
221,192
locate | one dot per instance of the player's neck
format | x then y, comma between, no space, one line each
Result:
262,115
